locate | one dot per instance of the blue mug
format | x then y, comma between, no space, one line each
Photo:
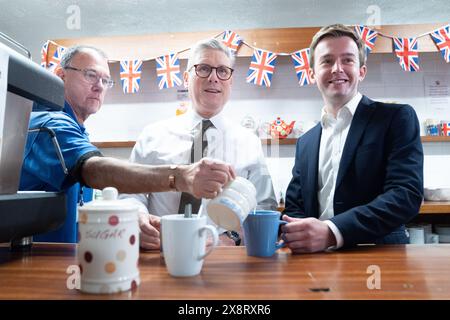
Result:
261,233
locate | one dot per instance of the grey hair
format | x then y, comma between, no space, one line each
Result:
72,51
207,44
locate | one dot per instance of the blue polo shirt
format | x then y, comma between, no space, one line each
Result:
42,169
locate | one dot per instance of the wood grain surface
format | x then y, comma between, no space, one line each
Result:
407,272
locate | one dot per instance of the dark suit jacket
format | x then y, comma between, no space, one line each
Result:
379,186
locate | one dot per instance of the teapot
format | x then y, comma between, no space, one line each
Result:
280,129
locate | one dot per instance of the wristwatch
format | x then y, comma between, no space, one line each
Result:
172,185
233,235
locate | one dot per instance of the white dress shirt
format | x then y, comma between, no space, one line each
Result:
332,141
170,141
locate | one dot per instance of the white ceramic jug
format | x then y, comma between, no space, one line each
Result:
230,208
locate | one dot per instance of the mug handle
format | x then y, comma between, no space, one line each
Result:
215,239
279,245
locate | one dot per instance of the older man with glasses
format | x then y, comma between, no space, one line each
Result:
201,131
86,77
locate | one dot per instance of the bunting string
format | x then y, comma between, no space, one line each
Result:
262,64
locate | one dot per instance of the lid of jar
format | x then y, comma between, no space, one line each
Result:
108,203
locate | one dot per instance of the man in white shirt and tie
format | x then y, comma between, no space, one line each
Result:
208,78
358,174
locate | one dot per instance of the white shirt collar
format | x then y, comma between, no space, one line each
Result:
327,119
193,118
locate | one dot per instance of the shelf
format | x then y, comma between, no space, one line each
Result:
130,144
435,139
428,207
435,207
287,141
114,144
294,140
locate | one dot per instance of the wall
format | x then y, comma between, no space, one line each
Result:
33,22
123,116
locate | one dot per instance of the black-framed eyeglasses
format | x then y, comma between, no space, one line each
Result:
92,77
204,70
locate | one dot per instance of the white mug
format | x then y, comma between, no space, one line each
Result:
184,243
230,208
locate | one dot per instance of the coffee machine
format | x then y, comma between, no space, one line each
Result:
22,82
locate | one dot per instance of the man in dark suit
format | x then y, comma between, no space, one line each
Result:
358,174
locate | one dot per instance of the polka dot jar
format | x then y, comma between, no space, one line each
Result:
108,247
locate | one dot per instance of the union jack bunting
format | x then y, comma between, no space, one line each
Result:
130,75
44,53
368,36
168,71
56,59
442,39
407,54
261,67
232,40
301,65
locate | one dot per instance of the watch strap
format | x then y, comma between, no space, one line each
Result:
233,235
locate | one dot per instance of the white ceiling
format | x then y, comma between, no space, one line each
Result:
31,22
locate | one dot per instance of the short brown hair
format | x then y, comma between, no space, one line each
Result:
337,31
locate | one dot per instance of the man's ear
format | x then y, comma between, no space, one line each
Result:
186,79
312,75
59,71
362,72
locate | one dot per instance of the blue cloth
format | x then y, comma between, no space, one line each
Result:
379,186
42,169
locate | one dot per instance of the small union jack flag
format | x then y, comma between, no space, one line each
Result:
44,53
261,67
368,36
442,39
445,129
168,71
407,53
301,65
232,40
56,59
130,75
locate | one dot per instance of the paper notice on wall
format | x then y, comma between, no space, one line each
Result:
4,59
437,92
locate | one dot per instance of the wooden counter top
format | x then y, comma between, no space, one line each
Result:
407,272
